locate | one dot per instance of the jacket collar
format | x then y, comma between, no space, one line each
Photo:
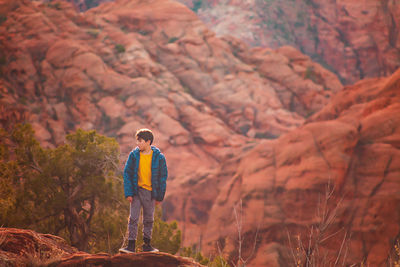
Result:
156,151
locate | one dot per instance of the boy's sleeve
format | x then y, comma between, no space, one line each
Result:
163,176
128,175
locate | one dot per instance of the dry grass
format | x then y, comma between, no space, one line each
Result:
238,212
394,260
309,253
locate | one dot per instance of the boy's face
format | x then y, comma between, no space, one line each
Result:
143,145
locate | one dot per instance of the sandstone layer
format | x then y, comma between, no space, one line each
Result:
132,64
336,179
356,39
236,123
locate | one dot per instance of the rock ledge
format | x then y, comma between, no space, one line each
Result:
20,247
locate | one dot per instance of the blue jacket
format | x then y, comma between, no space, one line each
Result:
159,174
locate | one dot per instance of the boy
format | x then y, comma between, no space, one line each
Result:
145,177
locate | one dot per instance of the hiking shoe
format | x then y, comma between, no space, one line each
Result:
130,248
147,247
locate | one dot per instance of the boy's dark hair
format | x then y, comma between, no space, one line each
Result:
145,134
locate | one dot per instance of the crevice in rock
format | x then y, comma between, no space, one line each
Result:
376,188
320,151
393,31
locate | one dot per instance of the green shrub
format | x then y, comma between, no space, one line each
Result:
119,48
93,32
191,252
3,18
310,74
173,40
197,5
55,6
197,256
55,185
144,32
3,60
36,110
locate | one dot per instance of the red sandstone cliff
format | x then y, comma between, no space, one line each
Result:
152,64
357,39
215,103
353,144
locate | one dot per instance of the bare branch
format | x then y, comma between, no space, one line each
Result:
326,238
341,247
254,244
291,247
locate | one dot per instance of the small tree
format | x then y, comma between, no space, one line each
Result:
83,171
20,156
71,191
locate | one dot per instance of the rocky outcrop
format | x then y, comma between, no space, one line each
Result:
356,39
80,5
350,150
128,260
131,64
20,247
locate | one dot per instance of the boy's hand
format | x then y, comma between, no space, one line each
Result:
129,199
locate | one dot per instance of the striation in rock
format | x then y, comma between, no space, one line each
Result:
350,148
356,39
255,124
131,64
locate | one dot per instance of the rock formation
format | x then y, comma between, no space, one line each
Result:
235,122
356,39
80,5
27,248
131,64
350,149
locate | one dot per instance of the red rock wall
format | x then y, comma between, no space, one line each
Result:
80,5
132,64
215,105
353,145
356,39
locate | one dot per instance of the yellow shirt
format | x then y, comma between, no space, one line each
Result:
145,171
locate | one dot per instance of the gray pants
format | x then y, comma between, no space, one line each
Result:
143,199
